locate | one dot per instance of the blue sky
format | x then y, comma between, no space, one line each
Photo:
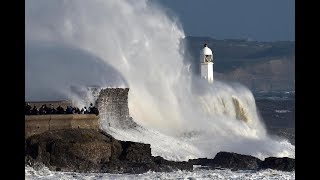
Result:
261,20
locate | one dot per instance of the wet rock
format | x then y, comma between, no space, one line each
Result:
135,152
229,160
85,150
202,162
71,150
166,165
236,161
282,164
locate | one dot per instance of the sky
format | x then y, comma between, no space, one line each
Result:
261,20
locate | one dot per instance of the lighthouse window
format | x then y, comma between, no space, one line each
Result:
207,58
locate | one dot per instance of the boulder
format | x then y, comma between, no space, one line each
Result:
202,162
166,165
282,164
135,152
80,150
235,161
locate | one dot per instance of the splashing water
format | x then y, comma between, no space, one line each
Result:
45,173
143,45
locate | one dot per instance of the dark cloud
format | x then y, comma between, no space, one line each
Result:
264,20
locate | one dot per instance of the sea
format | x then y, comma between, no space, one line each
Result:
277,110
196,174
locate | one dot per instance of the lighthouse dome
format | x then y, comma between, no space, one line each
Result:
206,51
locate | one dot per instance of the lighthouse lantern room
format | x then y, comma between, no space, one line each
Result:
206,64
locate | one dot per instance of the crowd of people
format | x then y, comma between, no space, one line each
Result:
44,109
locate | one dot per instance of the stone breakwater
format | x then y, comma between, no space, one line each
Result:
112,104
88,150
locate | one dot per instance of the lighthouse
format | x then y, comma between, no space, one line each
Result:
206,64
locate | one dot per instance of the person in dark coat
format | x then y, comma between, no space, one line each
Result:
73,111
93,109
47,109
90,108
27,109
60,110
77,111
34,111
69,110
42,110
85,111
53,110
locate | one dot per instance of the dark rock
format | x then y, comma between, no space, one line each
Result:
165,165
118,166
283,164
157,164
81,150
29,161
236,161
116,147
135,152
85,150
202,162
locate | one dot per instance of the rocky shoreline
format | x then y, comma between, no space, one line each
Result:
87,150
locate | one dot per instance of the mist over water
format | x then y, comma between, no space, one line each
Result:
135,44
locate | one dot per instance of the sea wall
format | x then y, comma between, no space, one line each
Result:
36,124
113,110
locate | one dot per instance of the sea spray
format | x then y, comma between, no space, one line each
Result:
142,46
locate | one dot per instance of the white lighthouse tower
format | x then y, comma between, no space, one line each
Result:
206,64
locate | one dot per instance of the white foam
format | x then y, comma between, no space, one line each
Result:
197,174
282,111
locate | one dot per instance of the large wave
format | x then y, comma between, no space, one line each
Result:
139,46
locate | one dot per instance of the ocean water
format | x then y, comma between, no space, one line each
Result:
277,111
268,174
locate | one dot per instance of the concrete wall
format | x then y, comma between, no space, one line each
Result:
111,102
36,124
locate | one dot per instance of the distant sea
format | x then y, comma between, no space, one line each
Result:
277,110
